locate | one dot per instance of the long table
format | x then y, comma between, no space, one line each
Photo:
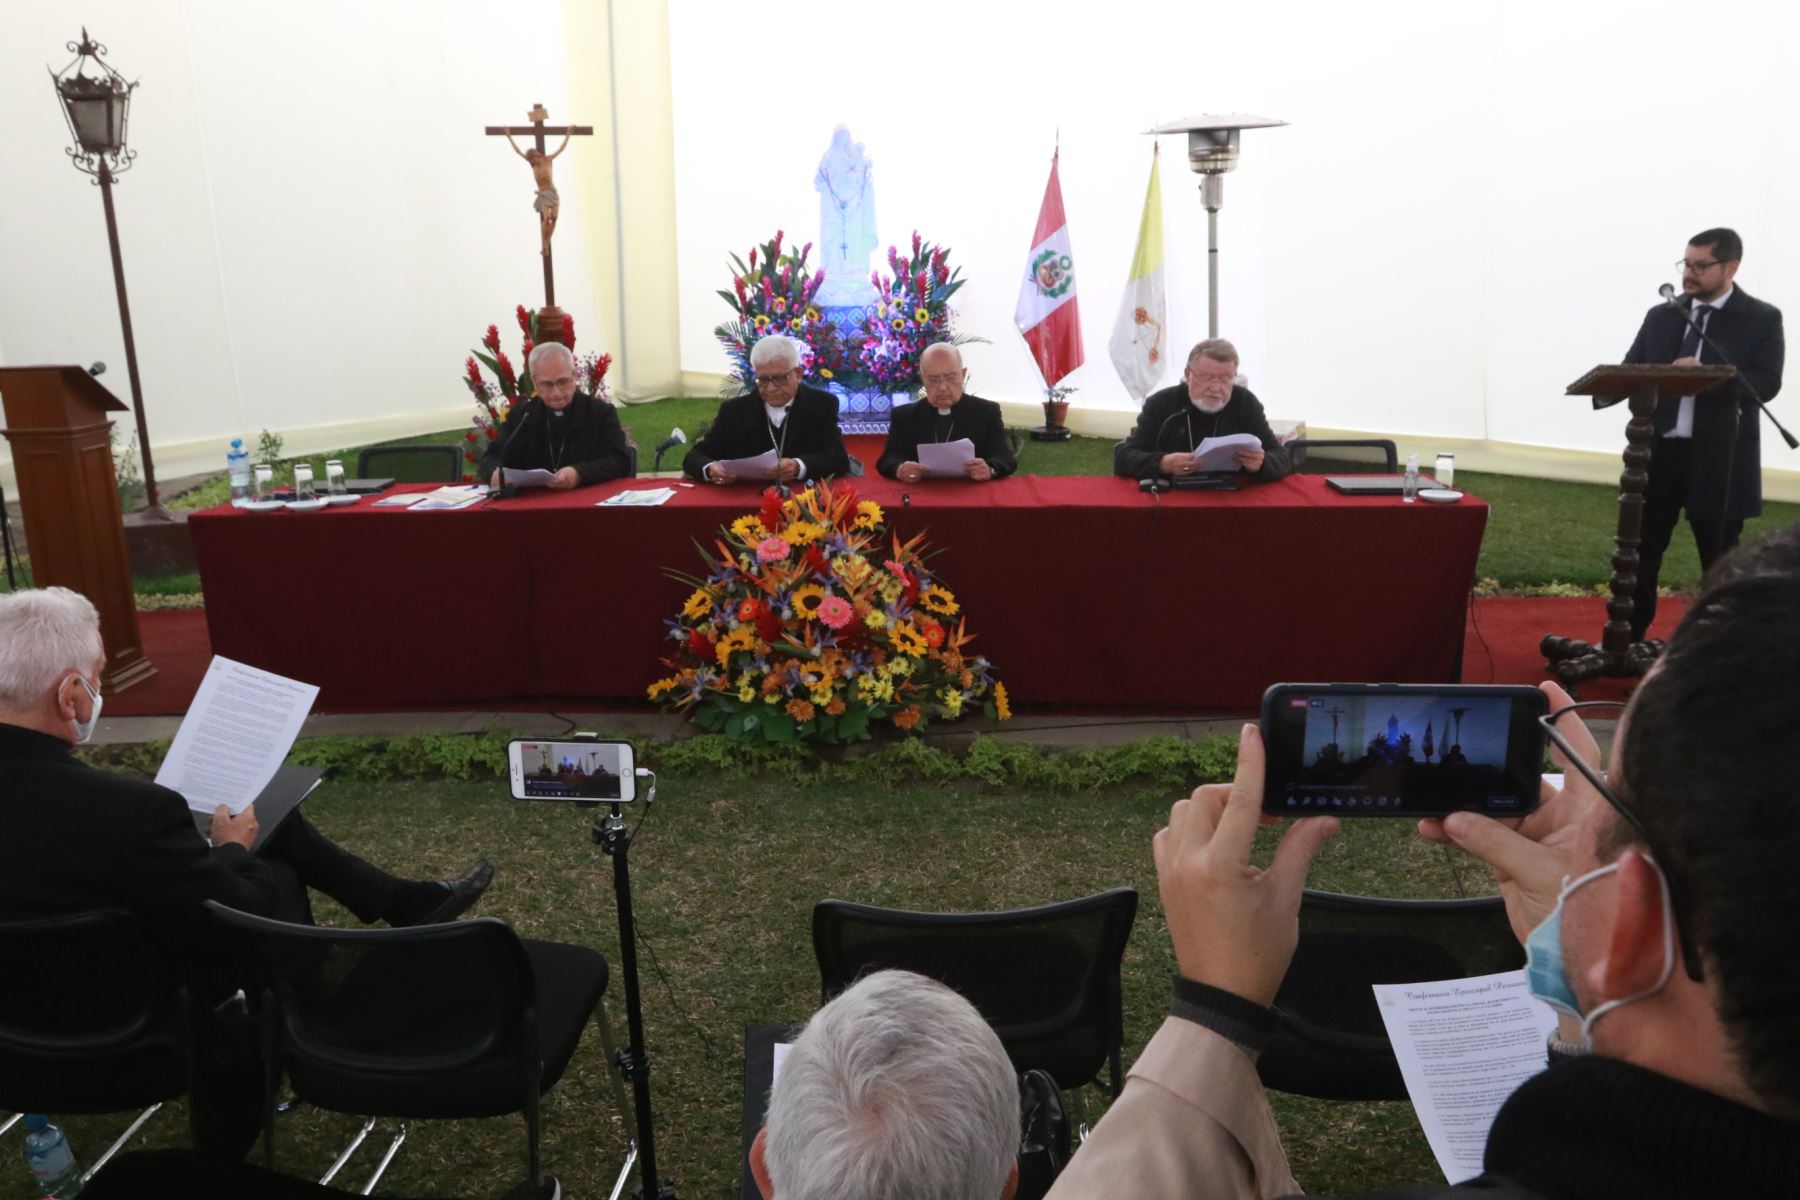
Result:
1083,591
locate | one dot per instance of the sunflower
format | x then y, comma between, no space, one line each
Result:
868,515
802,533
741,638
779,304
922,315
662,686
812,314
806,600
908,640
1002,706
939,600
796,324
761,323
898,323
825,373
749,529
698,605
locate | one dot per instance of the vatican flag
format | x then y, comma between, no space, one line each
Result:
1139,341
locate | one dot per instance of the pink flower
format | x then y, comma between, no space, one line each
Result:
836,611
772,550
915,243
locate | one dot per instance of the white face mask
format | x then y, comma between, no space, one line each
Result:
85,729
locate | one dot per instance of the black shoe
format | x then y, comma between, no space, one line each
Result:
460,894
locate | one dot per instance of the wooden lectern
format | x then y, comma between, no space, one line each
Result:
1576,661
56,420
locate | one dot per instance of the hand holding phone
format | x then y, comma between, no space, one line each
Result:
1402,750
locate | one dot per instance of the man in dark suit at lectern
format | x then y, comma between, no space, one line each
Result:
1706,456
797,422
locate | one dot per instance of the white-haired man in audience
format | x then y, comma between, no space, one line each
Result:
799,423
896,1090
574,436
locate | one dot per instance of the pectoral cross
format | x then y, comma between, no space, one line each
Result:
547,203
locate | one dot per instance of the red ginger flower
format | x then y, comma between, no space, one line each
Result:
524,321
474,372
506,368
753,258
492,339
568,338
915,243
738,286
771,511
699,645
776,247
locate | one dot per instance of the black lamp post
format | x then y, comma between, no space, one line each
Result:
97,107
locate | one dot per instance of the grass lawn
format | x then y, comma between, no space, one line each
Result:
724,875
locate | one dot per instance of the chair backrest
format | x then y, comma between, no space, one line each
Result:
92,1015
411,464
393,1002
1331,1041
1046,979
1347,456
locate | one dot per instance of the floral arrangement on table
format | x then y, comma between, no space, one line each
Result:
495,398
810,625
773,292
914,312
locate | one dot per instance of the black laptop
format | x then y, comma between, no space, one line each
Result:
1374,485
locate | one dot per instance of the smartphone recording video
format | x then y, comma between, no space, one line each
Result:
582,771
1401,750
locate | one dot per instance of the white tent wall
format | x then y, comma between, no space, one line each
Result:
315,232
1473,204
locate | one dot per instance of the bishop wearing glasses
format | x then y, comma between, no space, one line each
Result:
799,423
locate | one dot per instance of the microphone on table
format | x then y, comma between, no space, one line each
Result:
506,491
675,438
99,368
1670,297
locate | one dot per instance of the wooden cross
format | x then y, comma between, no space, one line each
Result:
547,202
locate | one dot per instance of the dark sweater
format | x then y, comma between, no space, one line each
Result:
1170,423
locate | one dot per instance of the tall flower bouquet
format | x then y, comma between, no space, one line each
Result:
773,292
494,398
810,625
914,312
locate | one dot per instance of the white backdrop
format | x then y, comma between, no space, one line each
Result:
315,232
1474,202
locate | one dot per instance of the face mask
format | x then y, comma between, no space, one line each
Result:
1544,971
85,729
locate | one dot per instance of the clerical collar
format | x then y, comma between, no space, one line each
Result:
949,411
776,415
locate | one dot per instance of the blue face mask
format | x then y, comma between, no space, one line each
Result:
1546,976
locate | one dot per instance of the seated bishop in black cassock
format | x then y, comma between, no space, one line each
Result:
1206,403
946,414
799,423
574,436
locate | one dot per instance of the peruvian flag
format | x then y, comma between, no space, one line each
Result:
1047,315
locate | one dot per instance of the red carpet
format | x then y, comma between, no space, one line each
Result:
1501,646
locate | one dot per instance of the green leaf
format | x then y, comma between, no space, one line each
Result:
777,726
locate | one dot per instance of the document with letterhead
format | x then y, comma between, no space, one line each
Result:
237,733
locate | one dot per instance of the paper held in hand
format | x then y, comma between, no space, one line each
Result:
237,731
945,460
535,477
1464,1046
761,467
1220,453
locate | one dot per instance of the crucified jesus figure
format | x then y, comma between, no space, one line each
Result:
547,202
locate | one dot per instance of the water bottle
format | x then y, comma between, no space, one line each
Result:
237,465
51,1161
1409,490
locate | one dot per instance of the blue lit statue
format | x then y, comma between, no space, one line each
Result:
846,221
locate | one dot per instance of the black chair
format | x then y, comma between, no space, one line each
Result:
1046,979
464,1019
412,464
94,1018
1349,456
1331,1042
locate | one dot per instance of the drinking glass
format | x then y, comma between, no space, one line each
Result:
303,482
263,482
1445,471
334,477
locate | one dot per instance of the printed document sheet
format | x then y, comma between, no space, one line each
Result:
761,467
1220,453
1464,1045
946,459
238,730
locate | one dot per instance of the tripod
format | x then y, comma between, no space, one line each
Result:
614,840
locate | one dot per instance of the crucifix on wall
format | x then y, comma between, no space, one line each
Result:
547,203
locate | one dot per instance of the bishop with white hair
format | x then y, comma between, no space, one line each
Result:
799,423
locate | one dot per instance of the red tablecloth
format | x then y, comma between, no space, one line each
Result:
1082,590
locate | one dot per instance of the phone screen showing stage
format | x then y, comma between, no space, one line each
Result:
1402,751
589,771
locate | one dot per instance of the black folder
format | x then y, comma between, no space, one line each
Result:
282,796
